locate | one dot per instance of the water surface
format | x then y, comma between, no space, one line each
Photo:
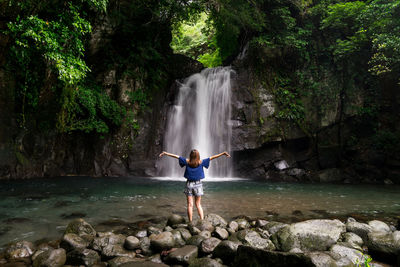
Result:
38,208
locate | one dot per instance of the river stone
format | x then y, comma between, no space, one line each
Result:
175,219
262,223
343,255
205,262
168,228
179,242
216,220
226,250
193,229
84,256
182,255
73,241
162,241
112,245
81,228
195,240
40,249
321,259
353,240
204,225
51,258
140,233
378,226
154,230
253,239
185,233
273,227
21,249
145,245
131,243
360,229
311,235
384,245
143,264
205,234
242,224
249,256
221,233
118,261
208,245
281,165
263,233
234,226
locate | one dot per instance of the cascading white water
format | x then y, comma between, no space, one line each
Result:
200,120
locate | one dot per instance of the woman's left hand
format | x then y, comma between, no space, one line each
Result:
227,154
162,154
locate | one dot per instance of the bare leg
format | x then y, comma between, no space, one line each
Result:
198,206
190,207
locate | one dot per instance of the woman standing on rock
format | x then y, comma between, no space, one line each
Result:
194,173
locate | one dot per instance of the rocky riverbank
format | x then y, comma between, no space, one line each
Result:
214,242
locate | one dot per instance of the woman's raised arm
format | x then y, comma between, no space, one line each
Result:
219,155
168,154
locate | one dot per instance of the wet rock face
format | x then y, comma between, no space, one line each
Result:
311,235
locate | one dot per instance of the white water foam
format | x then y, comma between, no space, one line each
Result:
213,179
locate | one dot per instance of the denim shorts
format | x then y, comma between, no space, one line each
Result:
194,188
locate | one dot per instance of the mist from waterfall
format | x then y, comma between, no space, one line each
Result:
199,119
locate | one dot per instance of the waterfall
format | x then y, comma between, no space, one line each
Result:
199,119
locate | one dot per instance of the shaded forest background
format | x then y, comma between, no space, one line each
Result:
96,71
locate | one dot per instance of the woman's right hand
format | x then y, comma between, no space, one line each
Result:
227,154
162,154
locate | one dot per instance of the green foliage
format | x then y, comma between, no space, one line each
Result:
196,38
290,106
86,108
367,259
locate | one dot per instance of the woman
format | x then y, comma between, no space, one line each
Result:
194,173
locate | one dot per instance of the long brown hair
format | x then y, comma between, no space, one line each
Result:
194,160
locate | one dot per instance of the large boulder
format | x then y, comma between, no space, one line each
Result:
384,245
182,255
226,250
311,235
18,250
51,258
112,245
81,228
249,256
85,256
162,241
216,220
